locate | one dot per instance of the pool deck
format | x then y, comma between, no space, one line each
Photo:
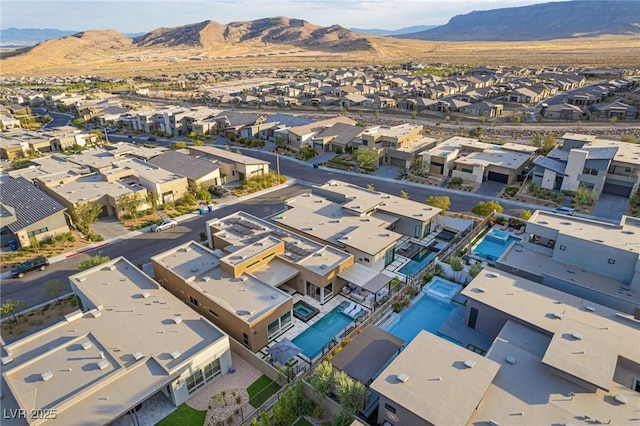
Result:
300,326
400,261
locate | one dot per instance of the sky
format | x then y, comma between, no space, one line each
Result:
145,15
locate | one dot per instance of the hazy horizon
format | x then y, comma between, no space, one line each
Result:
146,15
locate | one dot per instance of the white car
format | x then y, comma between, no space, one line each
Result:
165,224
564,210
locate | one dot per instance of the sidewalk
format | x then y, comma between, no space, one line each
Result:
131,234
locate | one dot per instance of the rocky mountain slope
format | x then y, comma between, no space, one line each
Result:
540,22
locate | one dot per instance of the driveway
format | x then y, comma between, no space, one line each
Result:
109,227
387,171
490,188
610,206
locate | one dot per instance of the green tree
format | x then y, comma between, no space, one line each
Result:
404,195
89,263
197,142
179,145
548,144
475,269
321,380
54,288
525,214
485,208
441,202
367,157
370,187
200,191
537,140
10,309
131,203
351,393
457,266
85,214
98,133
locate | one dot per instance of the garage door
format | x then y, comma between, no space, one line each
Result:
617,189
399,162
498,177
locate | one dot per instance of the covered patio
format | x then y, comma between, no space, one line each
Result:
366,285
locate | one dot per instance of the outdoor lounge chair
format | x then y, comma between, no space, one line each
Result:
505,226
520,230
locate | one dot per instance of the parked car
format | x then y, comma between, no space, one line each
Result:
218,191
165,224
152,139
564,210
39,263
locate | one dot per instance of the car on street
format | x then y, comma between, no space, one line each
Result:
218,191
564,210
40,263
165,224
152,139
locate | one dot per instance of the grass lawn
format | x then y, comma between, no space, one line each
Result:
261,390
302,422
184,415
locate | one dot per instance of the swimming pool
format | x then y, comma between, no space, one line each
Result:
314,338
303,311
442,288
427,313
493,244
418,261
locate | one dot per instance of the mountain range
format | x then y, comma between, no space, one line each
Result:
545,21
405,30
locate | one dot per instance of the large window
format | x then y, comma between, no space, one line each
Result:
285,319
212,370
273,328
195,381
35,232
389,255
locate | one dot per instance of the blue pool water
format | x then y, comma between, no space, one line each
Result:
314,338
427,313
440,287
418,262
494,244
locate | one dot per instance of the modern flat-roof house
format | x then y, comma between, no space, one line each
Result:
304,265
596,260
429,383
132,340
197,170
364,223
233,166
598,165
226,289
555,359
397,145
477,161
34,214
302,134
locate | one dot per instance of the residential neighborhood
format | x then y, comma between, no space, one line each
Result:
408,244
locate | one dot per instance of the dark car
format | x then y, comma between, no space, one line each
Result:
39,263
152,139
218,191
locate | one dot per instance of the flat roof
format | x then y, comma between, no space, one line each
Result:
627,152
246,296
365,356
241,229
323,219
87,188
546,309
495,157
143,169
439,388
625,236
226,156
85,386
527,393
578,137
361,200
584,351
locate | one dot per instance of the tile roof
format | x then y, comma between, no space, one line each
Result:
30,203
190,167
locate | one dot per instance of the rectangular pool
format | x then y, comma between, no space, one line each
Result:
442,288
418,261
314,338
493,244
427,313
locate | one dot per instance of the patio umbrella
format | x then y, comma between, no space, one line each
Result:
283,351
